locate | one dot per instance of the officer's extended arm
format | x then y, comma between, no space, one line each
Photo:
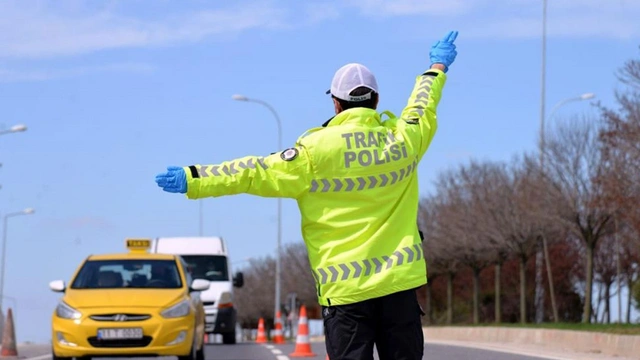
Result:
282,174
419,118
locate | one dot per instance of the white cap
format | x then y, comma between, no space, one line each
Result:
350,77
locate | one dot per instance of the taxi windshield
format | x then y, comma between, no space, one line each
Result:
209,267
128,274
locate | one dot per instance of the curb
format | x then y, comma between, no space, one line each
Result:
578,341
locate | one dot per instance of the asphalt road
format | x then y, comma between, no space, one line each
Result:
252,351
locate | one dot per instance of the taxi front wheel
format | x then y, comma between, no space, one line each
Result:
194,354
55,357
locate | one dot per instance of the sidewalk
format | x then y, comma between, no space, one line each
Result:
533,350
536,350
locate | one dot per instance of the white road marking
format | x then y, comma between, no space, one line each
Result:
41,357
496,349
273,349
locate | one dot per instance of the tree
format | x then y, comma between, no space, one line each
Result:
484,244
427,218
606,270
621,148
255,299
574,159
439,243
636,293
519,217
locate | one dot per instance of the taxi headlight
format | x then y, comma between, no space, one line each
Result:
67,312
178,310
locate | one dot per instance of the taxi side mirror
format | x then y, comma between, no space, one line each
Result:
199,285
57,286
238,280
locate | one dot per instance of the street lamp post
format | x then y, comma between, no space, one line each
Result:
279,244
27,211
544,253
14,129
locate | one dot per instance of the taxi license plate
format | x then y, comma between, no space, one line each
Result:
127,333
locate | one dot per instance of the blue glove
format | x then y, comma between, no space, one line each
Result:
444,51
173,181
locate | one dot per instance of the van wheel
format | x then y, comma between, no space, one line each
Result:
229,338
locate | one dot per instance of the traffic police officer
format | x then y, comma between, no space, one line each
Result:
356,185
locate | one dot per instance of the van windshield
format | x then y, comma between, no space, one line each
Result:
209,267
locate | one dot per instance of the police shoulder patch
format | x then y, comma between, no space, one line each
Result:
289,154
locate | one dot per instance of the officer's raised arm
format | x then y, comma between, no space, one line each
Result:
419,117
282,174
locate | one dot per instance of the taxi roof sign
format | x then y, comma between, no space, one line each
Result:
138,245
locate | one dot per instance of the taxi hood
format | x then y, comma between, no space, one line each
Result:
106,298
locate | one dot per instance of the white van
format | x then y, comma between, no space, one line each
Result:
207,258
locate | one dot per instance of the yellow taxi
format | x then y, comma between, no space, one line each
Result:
132,304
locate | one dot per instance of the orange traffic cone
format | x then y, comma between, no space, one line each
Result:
9,337
278,337
303,346
262,336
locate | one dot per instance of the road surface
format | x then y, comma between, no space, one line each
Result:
251,351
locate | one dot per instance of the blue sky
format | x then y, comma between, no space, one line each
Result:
114,91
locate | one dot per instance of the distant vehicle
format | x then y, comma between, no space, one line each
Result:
135,304
207,258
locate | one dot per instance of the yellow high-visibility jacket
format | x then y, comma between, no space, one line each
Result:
356,185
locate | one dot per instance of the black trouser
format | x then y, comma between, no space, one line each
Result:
391,322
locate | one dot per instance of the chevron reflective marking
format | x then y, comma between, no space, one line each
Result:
251,164
345,271
385,260
314,186
225,169
367,267
354,269
372,181
385,180
323,276
350,184
358,268
394,177
214,170
378,264
232,168
326,185
203,171
262,163
338,184
334,273
362,182
418,251
409,253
